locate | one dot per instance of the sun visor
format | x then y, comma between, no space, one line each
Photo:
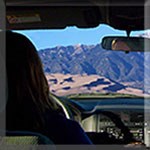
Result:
52,17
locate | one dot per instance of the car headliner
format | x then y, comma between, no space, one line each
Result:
52,14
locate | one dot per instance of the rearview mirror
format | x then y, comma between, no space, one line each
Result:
126,44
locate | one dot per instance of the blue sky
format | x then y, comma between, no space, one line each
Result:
70,36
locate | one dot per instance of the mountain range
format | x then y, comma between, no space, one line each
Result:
124,68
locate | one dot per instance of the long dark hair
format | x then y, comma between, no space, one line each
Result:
28,90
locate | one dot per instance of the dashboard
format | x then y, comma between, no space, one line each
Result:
133,120
116,119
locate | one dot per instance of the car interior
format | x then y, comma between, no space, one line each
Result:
109,119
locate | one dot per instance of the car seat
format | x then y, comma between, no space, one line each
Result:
25,138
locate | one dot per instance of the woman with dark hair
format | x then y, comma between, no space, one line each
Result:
29,106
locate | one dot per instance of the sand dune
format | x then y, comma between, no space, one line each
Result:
61,85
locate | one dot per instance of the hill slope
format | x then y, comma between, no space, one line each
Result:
92,59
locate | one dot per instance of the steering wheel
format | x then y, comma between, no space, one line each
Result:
106,138
128,136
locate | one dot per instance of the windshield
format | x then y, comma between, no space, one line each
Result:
75,63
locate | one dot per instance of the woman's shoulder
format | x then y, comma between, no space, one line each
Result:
67,130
